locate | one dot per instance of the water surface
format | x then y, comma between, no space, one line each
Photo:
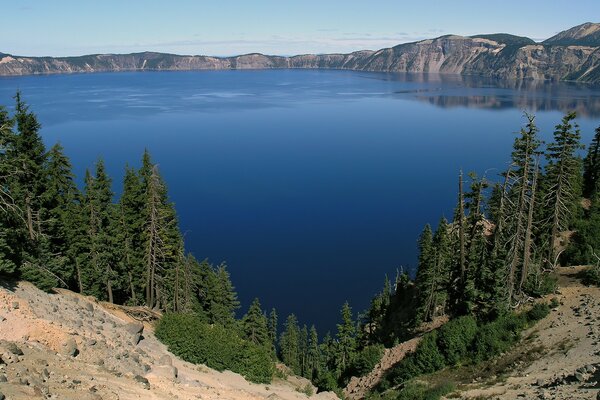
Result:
311,185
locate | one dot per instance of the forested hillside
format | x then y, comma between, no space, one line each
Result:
497,253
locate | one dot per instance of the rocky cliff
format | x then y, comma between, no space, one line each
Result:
571,55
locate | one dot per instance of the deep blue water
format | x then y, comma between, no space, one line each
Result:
311,185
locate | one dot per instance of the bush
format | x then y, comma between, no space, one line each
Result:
455,339
218,347
419,391
538,285
498,336
538,311
428,357
591,276
367,359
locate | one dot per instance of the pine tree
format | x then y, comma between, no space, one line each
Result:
562,173
98,267
254,325
346,339
24,175
289,344
303,351
591,167
425,279
273,329
130,236
313,354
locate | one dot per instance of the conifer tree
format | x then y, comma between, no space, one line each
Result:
289,344
130,216
591,167
58,199
346,339
425,272
562,180
313,354
98,266
254,325
273,329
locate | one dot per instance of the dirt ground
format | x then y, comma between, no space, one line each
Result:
66,346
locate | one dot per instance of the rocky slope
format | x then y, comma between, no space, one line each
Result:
66,346
570,55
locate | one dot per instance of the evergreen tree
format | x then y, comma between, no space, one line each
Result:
58,199
130,236
303,351
313,354
254,325
591,167
562,172
425,280
98,267
273,329
289,344
346,339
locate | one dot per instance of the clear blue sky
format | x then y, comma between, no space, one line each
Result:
228,27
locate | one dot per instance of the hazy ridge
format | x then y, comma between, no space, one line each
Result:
573,54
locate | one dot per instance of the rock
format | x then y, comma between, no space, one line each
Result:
3,378
69,348
135,329
89,307
164,371
165,360
2,396
590,369
14,349
91,342
579,377
539,382
45,374
2,319
15,305
142,380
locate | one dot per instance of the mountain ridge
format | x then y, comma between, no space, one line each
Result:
573,54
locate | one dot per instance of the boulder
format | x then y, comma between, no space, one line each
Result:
165,360
163,371
135,329
142,380
69,348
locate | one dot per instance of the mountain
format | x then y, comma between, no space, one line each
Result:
571,55
587,34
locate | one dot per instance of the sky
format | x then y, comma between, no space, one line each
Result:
282,27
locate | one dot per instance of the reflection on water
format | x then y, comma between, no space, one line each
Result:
489,93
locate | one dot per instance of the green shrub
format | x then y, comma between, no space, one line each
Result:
455,338
419,391
367,359
498,336
539,285
591,276
428,357
538,312
218,347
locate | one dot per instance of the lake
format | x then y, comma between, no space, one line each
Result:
311,185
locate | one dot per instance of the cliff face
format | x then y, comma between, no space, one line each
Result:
571,55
